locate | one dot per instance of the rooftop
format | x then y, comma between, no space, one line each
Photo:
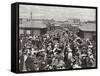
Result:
33,24
88,27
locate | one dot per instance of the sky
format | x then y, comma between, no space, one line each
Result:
56,13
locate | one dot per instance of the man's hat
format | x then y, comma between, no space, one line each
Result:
83,55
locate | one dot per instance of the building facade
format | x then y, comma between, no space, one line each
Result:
32,28
87,31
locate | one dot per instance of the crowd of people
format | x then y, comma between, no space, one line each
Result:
55,50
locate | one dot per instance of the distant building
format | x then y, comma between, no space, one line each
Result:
73,21
32,27
87,30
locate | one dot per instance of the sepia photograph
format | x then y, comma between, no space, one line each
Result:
53,38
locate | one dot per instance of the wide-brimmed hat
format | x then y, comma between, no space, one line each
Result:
83,55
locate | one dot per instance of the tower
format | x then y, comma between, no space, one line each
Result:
31,15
